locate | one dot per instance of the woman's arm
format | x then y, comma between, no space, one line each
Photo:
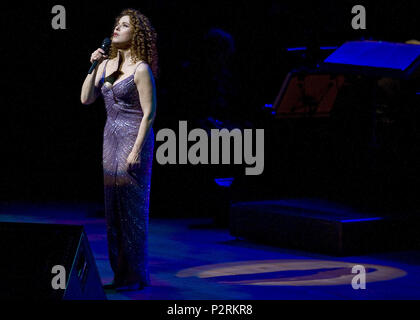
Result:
145,83
89,94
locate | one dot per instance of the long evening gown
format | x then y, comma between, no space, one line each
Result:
126,193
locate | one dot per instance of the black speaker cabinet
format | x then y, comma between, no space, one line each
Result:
29,252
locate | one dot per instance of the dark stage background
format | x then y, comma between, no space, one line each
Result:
52,144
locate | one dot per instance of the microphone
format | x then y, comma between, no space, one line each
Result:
105,46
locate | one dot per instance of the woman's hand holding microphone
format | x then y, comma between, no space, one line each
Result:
98,55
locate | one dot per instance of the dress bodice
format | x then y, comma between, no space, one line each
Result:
122,97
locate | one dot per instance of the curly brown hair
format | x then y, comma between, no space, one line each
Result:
143,45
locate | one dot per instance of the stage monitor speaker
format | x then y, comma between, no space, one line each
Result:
30,251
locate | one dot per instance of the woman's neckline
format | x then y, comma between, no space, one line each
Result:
118,82
132,75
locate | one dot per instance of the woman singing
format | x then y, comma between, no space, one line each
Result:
126,81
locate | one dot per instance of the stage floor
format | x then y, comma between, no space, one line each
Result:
192,260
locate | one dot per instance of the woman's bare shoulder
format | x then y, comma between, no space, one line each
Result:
100,71
142,64
142,67
102,65
143,71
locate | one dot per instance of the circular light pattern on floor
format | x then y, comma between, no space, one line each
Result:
302,272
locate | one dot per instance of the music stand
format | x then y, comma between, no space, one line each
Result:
312,93
375,58
307,94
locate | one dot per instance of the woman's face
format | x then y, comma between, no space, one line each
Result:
123,31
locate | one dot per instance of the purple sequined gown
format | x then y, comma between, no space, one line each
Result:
126,193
